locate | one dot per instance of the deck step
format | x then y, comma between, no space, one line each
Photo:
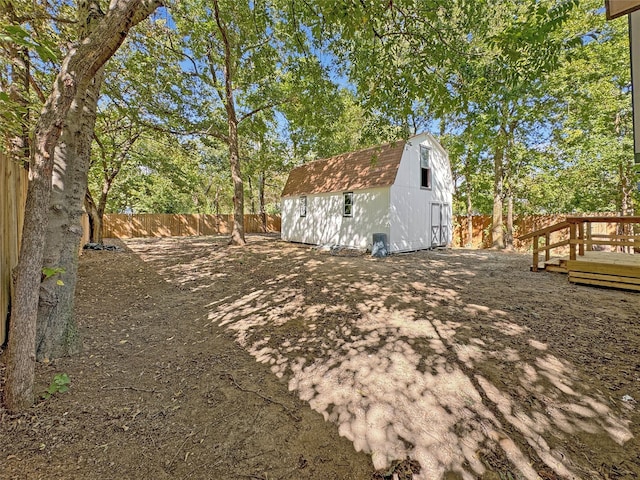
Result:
604,281
621,276
590,266
556,269
557,265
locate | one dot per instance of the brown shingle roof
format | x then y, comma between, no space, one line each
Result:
373,167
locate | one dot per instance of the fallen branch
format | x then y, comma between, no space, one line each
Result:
180,448
106,387
290,412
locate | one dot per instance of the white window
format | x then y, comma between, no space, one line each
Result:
425,166
303,206
348,204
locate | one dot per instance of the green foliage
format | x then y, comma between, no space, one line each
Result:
557,104
32,35
48,272
287,106
591,153
545,82
59,384
46,49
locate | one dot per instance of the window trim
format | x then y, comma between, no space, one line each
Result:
346,195
426,170
303,206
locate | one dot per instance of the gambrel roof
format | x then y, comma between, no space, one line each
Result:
369,168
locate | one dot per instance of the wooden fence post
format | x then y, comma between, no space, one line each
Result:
572,244
581,238
547,242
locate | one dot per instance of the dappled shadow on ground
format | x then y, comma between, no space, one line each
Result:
460,360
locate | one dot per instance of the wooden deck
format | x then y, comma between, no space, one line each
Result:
604,269
584,265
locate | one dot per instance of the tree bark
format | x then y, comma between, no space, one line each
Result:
57,333
252,198
509,235
95,220
96,212
102,206
626,199
78,68
216,202
261,206
497,233
469,213
509,174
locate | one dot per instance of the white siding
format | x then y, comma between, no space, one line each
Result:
410,212
325,224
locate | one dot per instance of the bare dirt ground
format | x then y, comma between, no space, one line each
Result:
278,361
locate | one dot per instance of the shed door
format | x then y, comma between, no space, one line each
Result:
440,224
445,224
436,224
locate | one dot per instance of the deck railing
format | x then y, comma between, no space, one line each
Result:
581,236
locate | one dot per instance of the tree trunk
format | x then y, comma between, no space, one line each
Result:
469,215
57,333
22,326
626,199
509,173
21,369
95,222
509,235
96,212
263,213
78,68
237,233
102,204
252,198
216,202
98,224
626,188
497,233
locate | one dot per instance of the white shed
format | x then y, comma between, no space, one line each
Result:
402,189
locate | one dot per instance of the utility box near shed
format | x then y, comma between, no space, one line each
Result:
380,247
402,190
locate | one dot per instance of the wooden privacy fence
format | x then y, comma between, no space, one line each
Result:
180,225
14,180
482,238
13,193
